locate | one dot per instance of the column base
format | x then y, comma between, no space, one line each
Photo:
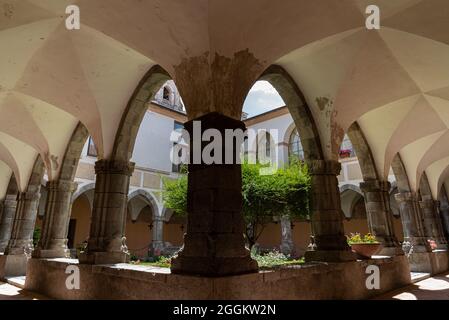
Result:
330,256
213,267
51,253
287,248
13,265
104,258
156,248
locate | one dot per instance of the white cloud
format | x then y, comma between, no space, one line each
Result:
261,98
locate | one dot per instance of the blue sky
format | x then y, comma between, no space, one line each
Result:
262,98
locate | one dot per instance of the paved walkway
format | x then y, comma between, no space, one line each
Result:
10,292
434,288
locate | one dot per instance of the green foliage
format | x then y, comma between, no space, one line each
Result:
175,195
356,238
36,236
283,193
160,261
274,259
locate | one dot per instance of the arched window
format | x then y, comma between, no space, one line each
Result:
295,148
264,147
166,94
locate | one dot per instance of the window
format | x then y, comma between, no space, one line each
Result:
178,126
264,142
91,149
166,94
295,148
267,145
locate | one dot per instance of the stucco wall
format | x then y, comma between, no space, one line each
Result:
81,213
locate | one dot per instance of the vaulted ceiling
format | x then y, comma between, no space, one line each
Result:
393,81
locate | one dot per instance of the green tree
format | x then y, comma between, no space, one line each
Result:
283,193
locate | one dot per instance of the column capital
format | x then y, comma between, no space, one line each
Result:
10,199
33,195
427,204
324,167
114,166
375,185
215,120
62,185
404,196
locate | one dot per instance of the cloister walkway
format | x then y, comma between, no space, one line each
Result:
433,288
10,292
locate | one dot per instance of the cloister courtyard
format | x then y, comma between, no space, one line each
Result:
347,194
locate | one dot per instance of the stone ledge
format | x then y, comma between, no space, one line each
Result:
311,281
434,262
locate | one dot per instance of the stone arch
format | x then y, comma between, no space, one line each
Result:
363,151
400,174
37,174
9,206
73,153
83,189
297,105
424,188
352,187
148,198
13,187
350,196
135,111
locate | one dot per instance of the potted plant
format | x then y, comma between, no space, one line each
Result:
365,246
345,153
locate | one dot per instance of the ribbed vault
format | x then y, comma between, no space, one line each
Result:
394,81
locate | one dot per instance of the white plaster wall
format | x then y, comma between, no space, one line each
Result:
153,145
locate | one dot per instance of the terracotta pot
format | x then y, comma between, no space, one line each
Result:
366,250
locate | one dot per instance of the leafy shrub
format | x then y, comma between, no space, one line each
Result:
274,259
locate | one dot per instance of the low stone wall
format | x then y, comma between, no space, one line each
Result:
312,281
435,262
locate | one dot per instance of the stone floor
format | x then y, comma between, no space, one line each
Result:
10,292
433,288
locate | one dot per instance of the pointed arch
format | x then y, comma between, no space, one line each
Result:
297,105
363,151
400,174
135,111
73,153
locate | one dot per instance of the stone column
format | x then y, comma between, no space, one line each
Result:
107,242
379,216
9,211
53,242
444,214
157,245
330,243
20,245
432,223
24,222
414,239
287,245
214,244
